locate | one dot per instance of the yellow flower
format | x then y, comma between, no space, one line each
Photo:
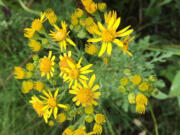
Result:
61,35
67,131
140,108
19,73
99,118
141,99
131,98
89,21
35,45
46,65
90,49
30,66
37,23
109,15
126,41
136,79
79,13
37,105
92,28
51,16
50,103
124,81
89,109
97,128
39,86
109,35
144,86
74,20
90,6
61,117
29,32
122,89
86,94
51,123
79,132
89,118
102,6
28,75
72,72
27,86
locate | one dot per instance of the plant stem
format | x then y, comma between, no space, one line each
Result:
154,119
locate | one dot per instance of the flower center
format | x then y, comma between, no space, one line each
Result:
45,65
64,64
108,35
60,35
52,103
85,95
74,73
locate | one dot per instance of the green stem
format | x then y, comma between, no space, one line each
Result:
28,9
154,119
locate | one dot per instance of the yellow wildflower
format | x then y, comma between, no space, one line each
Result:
79,132
102,6
61,35
89,21
71,72
97,128
39,86
89,109
144,86
90,49
19,73
99,118
51,123
89,119
29,32
124,81
67,131
141,99
46,65
50,103
51,16
61,117
35,45
74,20
27,86
28,75
131,98
126,41
122,89
79,13
140,108
37,105
90,6
30,66
109,35
37,23
86,94
109,15
136,79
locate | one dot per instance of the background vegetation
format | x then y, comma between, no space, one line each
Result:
156,23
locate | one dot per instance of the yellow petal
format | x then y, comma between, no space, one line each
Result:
109,48
126,33
86,67
91,81
83,77
70,41
111,22
118,42
50,54
55,112
95,87
101,27
86,71
94,40
103,49
116,24
123,30
62,106
56,93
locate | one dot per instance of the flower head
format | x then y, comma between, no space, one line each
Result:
102,6
109,34
126,41
144,86
39,86
97,128
61,117
141,99
46,65
72,72
51,16
35,45
136,79
27,86
131,98
124,81
86,94
140,108
78,13
90,6
37,23
50,103
90,49
19,73
30,66
67,131
79,132
61,35
99,118
29,32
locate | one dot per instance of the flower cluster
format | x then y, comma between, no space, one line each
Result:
62,81
137,89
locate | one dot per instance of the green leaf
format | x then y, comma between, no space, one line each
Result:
2,3
160,95
175,87
178,98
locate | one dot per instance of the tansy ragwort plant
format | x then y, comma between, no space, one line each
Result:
65,64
